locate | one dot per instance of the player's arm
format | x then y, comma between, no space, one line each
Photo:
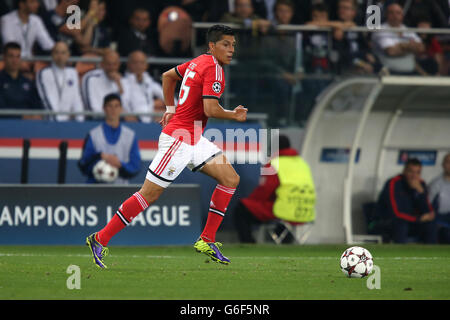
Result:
169,83
213,109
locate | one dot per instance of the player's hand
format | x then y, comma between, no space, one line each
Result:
166,118
240,113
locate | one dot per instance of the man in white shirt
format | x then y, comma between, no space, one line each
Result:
98,83
25,27
143,93
58,85
397,51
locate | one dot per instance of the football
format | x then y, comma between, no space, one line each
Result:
356,262
104,172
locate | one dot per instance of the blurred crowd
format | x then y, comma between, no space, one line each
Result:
270,59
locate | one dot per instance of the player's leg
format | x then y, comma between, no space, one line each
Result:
157,179
127,211
221,170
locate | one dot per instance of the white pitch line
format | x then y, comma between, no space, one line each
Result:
182,257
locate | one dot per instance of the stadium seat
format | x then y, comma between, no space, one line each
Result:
39,65
83,67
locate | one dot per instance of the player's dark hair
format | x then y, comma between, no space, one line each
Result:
110,97
11,45
217,31
413,162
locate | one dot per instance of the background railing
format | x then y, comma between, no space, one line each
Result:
271,98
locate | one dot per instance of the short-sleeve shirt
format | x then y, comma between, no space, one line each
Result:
203,77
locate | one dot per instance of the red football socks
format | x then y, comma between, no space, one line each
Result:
124,215
218,206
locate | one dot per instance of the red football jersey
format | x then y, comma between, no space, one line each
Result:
203,77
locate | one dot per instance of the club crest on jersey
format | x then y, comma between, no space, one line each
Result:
216,87
171,171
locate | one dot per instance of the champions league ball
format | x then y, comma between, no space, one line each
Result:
356,262
104,172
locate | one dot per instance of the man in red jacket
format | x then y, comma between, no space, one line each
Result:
258,206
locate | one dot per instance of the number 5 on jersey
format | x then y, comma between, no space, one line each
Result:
184,91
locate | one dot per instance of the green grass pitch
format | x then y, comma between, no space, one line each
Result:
267,272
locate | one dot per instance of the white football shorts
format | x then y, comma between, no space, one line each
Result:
174,155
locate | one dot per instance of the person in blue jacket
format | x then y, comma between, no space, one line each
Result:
113,142
404,201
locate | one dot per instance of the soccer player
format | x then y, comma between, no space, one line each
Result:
181,145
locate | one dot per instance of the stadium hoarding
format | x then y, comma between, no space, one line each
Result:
66,214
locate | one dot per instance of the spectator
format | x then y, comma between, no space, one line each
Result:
79,40
267,202
283,12
144,94
382,4
16,91
175,29
58,85
404,201
26,28
95,35
440,198
414,9
432,60
280,51
316,59
248,83
217,8
397,51
113,142
266,9
354,54
55,21
96,84
244,14
136,36
317,42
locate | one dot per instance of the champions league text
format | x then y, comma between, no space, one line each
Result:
63,216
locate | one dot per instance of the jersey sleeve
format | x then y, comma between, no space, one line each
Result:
181,69
213,82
